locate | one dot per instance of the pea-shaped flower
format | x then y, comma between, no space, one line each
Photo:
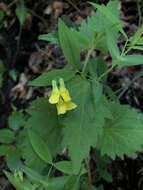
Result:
55,95
61,97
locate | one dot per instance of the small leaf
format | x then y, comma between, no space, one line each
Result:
46,78
50,37
6,136
18,184
64,166
16,120
69,46
40,147
112,45
1,16
6,150
21,12
137,37
131,60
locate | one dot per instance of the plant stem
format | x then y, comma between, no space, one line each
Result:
105,73
87,60
89,174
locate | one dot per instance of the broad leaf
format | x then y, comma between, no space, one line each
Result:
46,78
123,134
44,121
69,46
40,147
87,123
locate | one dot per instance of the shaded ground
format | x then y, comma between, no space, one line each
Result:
25,57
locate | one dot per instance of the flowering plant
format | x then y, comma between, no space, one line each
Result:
81,114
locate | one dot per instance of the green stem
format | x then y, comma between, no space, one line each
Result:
105,73
87,60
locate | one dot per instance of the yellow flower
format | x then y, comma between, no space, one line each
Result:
61,107
63,91
61,97
70,105
55,95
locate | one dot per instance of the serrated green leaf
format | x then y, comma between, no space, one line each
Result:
97,90
50,37
6,136
46,78
123,133
40,147
21,12
87,122
68,44
110,16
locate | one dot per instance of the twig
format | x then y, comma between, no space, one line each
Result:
139,12
70,2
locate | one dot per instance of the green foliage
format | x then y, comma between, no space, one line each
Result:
21,12
67,41
40,147
123,133
16,120
46,78
6,136
99,121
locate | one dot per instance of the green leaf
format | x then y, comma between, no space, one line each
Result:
40,147
6,150
21,12
123,133
48,129
105,175
72,183
18,184
64,166
131,60
87,123
46,78
68,44
50,37
136,39
16,120
110,16
97,90
6,136
35,176
1,16
112,45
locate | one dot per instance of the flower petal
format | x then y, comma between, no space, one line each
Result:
70,105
